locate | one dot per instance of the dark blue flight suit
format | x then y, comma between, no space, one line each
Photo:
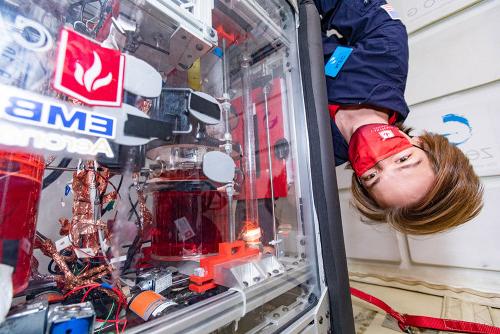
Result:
375,73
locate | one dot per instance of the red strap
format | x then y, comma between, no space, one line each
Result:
405,321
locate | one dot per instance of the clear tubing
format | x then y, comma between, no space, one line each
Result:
232,223
251,213
266,90
227,136
225,71
225,87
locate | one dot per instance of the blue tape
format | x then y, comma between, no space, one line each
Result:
72,326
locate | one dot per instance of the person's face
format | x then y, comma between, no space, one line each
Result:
400,180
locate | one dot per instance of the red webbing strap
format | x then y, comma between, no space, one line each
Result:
406,320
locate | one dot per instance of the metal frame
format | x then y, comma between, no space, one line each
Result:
253,12
220,310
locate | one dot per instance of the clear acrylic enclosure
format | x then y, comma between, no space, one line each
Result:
154,166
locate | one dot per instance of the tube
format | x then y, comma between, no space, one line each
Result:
228,146
266,91
251,212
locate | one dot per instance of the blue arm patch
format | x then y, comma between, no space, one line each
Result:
337,60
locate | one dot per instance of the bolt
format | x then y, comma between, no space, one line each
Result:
295,263
245,283
327,315
276,271
256,279
199,47
276,315
285,309
320,320
212,33
302,242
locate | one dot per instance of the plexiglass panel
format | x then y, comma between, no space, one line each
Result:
159,151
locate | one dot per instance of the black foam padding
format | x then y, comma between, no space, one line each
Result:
204,106
142,127
324,179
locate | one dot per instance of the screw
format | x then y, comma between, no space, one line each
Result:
320,320
245,283
276,315
212,33
302,242
276,271
199,47
256,279
285,309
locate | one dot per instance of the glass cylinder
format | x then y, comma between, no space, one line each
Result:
20,188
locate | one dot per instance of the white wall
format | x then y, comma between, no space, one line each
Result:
453,88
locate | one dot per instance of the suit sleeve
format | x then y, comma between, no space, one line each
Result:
325,6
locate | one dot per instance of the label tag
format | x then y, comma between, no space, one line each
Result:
118,259
89,72
337,60
63,243
185,230
82,253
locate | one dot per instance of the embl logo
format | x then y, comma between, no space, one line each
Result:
22,107
463,128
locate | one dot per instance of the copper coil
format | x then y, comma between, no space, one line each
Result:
95,271
35,274
147,217
109,197
83,229
65,226
68,281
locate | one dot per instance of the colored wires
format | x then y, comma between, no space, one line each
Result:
122,303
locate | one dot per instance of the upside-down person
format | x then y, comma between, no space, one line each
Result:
419,185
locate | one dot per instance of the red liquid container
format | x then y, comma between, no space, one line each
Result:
188,225
21,177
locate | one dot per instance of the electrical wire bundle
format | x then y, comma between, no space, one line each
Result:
79,263
117,305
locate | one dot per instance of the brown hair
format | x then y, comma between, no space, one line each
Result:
455,198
